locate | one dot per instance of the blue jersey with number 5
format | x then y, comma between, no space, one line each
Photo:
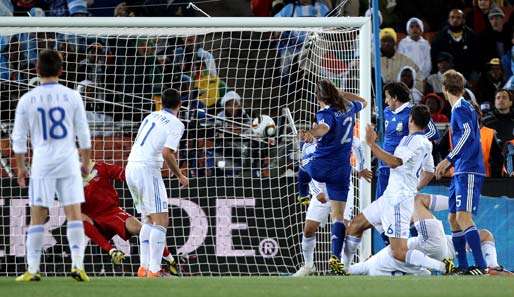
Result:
337,143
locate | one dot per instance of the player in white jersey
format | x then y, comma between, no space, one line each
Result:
54,117
393,211
157,140
433,241
318,211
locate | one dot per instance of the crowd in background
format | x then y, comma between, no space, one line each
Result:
419,41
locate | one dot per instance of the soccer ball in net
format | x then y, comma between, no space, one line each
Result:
264,126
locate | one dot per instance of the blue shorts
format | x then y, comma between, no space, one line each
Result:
382,181
334,174
464,192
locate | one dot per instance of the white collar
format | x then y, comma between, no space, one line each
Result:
458,103
402,107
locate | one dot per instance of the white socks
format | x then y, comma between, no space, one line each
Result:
157,243
308,245
34,246
76,240
144,245
489,251
350,246
417,258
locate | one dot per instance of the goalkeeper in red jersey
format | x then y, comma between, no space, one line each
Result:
103,217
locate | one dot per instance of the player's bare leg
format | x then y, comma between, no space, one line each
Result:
157,242
401,253
358,225
338,234
308,245
34,244
76,240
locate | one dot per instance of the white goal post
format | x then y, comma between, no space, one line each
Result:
240,215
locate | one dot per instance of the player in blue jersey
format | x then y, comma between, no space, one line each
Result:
396,115
468,162
330,162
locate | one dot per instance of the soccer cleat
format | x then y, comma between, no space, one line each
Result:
29,277
499,271
141,271
304,201
117,256
475,271
336,266
449,266
157,274
171,266
305,271
79,275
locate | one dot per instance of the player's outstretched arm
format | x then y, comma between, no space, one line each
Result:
169,156
389,159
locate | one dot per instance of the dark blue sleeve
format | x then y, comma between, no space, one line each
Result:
462,122
357,106
431,132
303,183
324,117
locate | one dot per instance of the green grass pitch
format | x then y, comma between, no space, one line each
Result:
263,287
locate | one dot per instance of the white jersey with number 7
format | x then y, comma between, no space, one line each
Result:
158,130
54,117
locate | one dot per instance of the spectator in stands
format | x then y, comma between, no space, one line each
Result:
501,119
407,75
101,124
70,62
417,48
348,8
290,42
478,18
436,105
261,8
122,10
94,66
206,80
13,65
392,61
59,8
233,112
493,159
496,40
489,84
434,82
6,8
458,40
508,62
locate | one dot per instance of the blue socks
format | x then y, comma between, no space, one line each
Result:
459,243
338,235
473,238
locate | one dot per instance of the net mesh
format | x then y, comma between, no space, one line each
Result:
240,215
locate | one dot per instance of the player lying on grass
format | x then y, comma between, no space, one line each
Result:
424,206
393,210
103,217
319,208
431,240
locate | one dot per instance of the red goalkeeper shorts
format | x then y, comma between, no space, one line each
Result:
113,223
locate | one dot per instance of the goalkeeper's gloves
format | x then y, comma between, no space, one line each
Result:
304,200
117,256
171,266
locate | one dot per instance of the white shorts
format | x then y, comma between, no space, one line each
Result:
431,239
318,212
69,190
393,218
147,189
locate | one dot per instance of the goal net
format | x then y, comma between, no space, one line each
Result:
247,87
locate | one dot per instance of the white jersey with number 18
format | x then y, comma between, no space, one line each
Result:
159,129
54,117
